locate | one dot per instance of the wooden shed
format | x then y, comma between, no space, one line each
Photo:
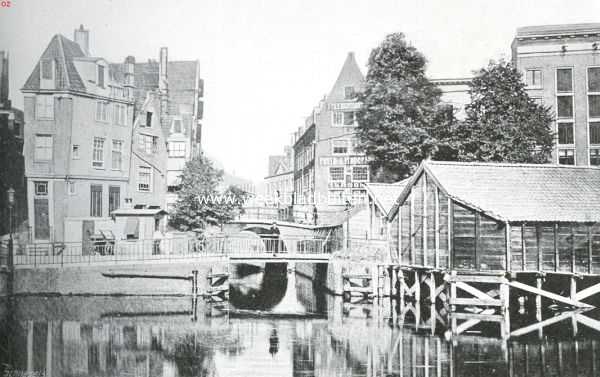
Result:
468,216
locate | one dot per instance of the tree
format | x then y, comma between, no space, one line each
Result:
399,112
503,123
199,202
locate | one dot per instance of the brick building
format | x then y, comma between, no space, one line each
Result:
327,168
561,67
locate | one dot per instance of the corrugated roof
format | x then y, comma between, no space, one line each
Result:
385,194
521,192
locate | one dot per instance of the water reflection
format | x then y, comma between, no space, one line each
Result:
121,336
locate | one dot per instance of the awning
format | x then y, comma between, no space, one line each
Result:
138,212
132,227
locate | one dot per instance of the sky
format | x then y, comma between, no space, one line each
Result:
266,63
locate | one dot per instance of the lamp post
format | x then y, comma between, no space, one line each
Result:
11,203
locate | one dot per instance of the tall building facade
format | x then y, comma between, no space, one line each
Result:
561,67
328,170
94,143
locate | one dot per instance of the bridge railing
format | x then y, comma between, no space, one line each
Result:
267,245
126,251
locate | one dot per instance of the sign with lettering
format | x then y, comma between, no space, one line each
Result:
342,160
344,106
342,184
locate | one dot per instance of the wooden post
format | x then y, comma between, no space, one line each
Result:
505,299
401,286
424,226
556,258
524,248
572,247
538,298
375,279
573,296
432,289
413,258
436,230
508,257
450,234
590,244
453,296
417,287
538,238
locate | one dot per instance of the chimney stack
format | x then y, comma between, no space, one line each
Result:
163,87
129,75
82,38
4,101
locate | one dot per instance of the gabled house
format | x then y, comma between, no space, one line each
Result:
77,143
499,217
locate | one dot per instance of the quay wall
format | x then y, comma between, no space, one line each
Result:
91,280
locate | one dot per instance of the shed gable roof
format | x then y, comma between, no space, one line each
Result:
385,194
519,192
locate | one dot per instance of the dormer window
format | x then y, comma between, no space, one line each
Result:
101,76
148,119
47,69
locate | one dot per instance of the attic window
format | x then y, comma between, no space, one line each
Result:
46,67
149,119
101,76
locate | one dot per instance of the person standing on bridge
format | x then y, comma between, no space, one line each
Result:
274,238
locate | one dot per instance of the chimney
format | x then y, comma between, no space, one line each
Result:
163,87
82,38
129,75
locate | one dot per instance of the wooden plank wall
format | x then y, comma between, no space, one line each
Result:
423,226
555,247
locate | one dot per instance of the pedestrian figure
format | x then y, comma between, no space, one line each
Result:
274,238
348,205
315,214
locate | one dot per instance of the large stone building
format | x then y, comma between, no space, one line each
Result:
561,67
12,171
328,171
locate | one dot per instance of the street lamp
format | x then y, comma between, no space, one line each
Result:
11,203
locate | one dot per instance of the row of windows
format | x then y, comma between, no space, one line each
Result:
564,79
344,118
566,156
44,110
176,149
304,157
44,146
114,196
339,197
355,173
343,146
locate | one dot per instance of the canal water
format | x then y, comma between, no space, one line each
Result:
278,323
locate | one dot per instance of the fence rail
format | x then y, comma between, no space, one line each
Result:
119,251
